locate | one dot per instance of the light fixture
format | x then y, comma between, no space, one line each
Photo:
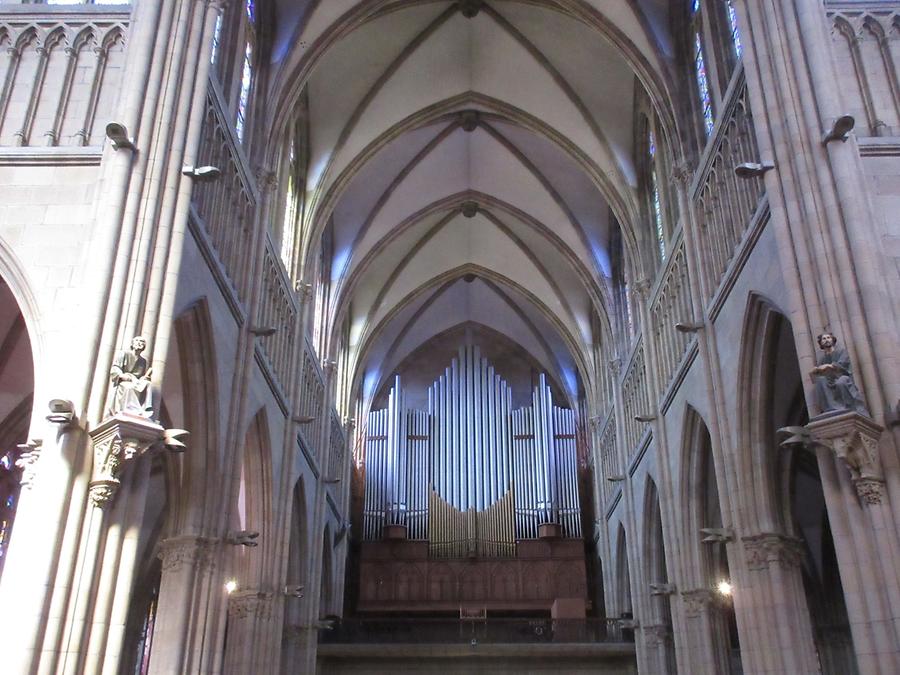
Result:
231,586
263,331
118,135
716,535
294,591
689,327
61,411
618,478
243,538
202,174
748,170
644,419
839,131
724,588
304,419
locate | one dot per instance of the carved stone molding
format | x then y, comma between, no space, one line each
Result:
187,551
250,604
853,438
697,601
117,440
683,173
656,635
615,366
29,453
769,548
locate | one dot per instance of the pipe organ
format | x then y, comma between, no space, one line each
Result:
470,475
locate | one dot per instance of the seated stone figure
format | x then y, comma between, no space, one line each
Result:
130,378
833,377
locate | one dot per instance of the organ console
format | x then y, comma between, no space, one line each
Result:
471,476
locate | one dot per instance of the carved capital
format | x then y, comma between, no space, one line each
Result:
641,288
697,601
192,552
683,173
656,635
853,438
117,440
764,550
29,453
250,604
614,366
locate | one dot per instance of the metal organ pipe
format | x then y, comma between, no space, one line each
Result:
470,474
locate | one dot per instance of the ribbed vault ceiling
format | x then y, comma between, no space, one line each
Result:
471,169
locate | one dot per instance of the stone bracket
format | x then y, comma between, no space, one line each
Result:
117,440
853,438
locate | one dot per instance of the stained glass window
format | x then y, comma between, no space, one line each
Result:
654,198
735,31
703,84
290,210
244,97
10,476
217,36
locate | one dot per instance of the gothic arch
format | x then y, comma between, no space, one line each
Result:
191,396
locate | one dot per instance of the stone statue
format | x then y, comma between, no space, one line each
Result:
130,378
833,377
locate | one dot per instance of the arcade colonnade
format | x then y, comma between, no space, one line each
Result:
290,208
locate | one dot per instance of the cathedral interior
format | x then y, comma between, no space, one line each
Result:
450,336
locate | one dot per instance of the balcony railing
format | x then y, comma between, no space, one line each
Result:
311,401
337,448
226,207
671,304
724,204
277,310
488,631
634,398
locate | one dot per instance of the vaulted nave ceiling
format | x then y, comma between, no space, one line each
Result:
471,166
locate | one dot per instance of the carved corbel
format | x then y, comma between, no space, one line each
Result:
853,438
119,439
697,601
769,548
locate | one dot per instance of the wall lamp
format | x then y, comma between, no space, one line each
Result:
202,174
840,130
118,135
749,170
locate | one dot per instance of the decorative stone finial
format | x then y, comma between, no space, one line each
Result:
470,8
470,209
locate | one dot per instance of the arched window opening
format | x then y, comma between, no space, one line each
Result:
290,207
700,72
217,39
10,475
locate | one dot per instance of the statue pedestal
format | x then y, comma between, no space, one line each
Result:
118,439
853,438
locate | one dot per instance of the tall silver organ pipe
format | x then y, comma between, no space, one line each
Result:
470,475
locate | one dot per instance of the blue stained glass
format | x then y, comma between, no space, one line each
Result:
651,144
695,6
6,462
251,10
735,31
10,501
703,84
217,35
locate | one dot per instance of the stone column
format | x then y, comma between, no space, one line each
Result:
772,595
188,563
702,629
657,640
247,610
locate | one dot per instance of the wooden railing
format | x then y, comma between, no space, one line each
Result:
671,304
311,400
277,310
634,398
608,455
337,448
61,74
724,204
226,206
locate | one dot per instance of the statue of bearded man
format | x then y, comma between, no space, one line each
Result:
130,378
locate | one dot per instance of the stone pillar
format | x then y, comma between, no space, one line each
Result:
702,629
657,641
772,597
247,611
188,563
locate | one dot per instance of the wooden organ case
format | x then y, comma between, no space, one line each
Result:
471,504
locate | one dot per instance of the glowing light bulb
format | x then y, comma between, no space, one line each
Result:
230,586
725,588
